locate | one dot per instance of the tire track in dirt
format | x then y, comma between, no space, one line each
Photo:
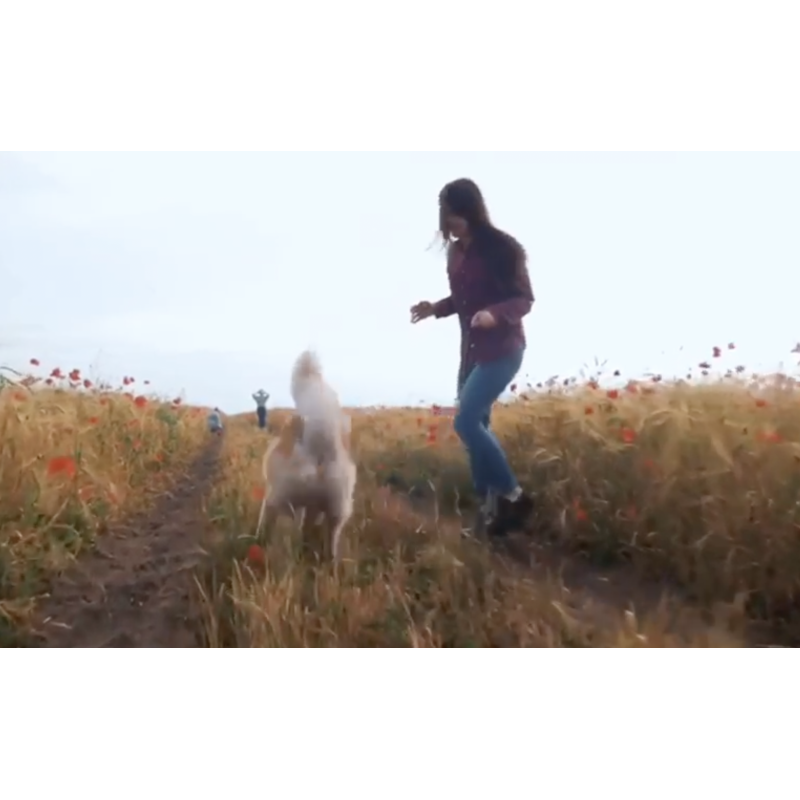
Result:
134,588
601,596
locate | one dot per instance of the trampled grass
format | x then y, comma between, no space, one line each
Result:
693,486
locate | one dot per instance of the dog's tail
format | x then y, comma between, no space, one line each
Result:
318,406
307,369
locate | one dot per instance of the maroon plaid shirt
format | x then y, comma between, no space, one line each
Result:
473,289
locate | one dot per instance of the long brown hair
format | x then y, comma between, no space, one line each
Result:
503,254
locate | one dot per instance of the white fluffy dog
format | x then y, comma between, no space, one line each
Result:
309,469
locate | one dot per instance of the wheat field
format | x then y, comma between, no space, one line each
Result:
668,514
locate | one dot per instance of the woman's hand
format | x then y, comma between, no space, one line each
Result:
484,320
421,311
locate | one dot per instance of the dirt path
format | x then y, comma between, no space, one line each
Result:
133,589
600,596
603,592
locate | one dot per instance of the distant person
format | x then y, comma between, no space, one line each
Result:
215,421
490,291
261,398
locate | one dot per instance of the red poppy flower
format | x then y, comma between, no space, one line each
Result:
256,556
731,346
75,375
628,435
513,388
87,384
49,382
35,362
140,402
93,420
705,365
580,511
717,352
177,401
770,438
589,410
258,493
613,394
61,465
760,403
56,373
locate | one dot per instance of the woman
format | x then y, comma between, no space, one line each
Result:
261,398
490,290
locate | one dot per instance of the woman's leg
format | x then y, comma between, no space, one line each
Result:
507,506
480,480
482,388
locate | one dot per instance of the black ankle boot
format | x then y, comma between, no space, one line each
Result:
511,515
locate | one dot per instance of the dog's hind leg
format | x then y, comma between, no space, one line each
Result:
309,535
261,516
336,528
267,517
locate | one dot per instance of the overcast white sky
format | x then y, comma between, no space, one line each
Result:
210,272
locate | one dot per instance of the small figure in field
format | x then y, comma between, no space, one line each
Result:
215,421
261,398
490,291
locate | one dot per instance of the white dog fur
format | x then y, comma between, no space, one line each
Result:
309,470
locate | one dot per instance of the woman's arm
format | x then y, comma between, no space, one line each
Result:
511,311
521,300
444,308
447,307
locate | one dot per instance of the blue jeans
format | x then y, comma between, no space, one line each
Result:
262,417
479,392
